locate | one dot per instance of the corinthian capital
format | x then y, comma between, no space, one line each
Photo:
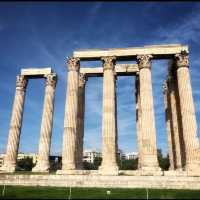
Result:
51,79
21,82
82,79
73,64
144,61
182,59
108,62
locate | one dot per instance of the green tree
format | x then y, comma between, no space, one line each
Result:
163,161
128,164
97,162
88,165
25,164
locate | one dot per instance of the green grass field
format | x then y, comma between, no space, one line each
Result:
25,192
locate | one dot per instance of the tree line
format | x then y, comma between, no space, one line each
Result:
26,164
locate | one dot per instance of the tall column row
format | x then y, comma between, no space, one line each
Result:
183,143
16,123
184,146
74,116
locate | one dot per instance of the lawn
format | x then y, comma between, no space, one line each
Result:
26,192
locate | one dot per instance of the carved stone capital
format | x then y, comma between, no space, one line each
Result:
182,59
21,82
108,62
144,61
51,80
73,64
82,79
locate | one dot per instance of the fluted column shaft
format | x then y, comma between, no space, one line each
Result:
149,149
170,133
109,143
189,123
175,122
46,125
179,121
15,125
80,126
70,121
138,122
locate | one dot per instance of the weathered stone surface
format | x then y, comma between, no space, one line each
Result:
15,125
109,129
149,164
188,115
120,70
156,50
70,121
175,123
170,133
80,116
36,71
46,125
184,150
165,182
138,122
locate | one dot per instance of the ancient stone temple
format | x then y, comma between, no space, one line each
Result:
181,124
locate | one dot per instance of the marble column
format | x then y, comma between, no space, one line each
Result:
46,125
80,126
15,125
174,121
138,121
170,133
70,120
149,163
179,121
116,121
189,123
109,129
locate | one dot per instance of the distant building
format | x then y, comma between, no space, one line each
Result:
121,155
20,156
34,156
90,155
131,155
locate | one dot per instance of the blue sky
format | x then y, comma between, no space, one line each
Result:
44,34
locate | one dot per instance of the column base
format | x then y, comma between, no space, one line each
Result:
193,169
77,172
177,172
68,166
150,171
8,168
40,168
108,170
